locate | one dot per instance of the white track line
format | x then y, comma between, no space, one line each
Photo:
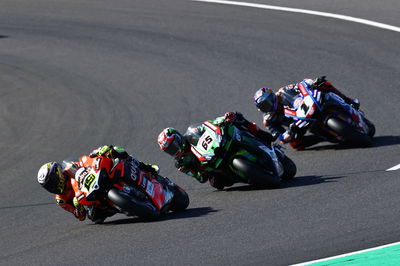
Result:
396,167
306,11
347,254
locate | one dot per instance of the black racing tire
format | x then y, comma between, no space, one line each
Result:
371,126
371,132
180,200
350,135
289,168
130,205
258,176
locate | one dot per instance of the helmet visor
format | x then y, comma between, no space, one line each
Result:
55,185
267,105
172,149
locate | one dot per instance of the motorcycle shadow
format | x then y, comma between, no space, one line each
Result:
309,180
298,181
377,142
385,141
188,213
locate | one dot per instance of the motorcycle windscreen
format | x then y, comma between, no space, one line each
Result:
194,133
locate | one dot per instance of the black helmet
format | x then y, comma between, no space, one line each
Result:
50,177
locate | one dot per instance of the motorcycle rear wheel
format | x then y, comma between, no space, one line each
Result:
349,134
133,206
257,175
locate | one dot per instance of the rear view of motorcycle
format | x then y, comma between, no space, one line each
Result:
119,186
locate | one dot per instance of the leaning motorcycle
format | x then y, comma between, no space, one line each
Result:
120,186
238,155
330,117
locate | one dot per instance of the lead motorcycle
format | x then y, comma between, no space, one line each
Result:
119,186
328,116
237,154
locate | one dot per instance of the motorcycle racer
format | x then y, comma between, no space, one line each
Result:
273,106
56,179
177,145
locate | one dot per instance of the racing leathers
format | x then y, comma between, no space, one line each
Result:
187,162
67,199
283,126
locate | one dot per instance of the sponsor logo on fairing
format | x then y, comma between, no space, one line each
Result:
134,171
81,174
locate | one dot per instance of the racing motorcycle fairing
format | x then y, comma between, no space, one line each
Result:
204,140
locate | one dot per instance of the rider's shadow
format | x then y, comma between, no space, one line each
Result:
188,213
298,181
379,141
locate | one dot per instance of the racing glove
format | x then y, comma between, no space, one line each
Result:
80,211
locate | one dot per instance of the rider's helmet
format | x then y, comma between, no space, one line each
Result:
265,100
170,141
50,176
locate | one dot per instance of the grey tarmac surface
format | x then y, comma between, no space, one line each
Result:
78,74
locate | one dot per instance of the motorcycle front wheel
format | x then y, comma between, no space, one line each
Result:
180,200
289,168
257,175
371,126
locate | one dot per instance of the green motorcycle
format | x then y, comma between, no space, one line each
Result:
237,154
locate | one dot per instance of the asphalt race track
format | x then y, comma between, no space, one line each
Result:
78,74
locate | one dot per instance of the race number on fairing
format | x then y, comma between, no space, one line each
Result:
306,108
205,141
